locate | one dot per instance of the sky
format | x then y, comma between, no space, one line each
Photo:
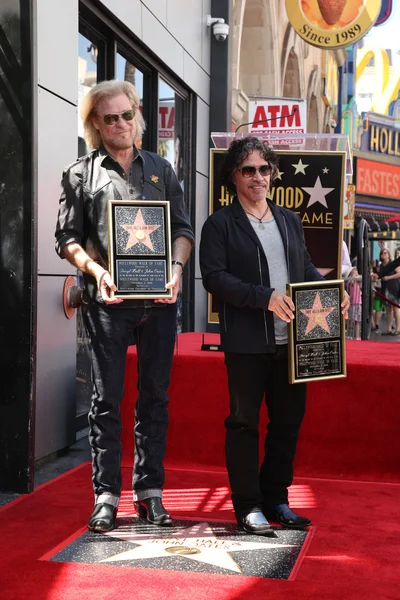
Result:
387,35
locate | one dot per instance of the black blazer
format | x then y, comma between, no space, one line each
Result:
235,270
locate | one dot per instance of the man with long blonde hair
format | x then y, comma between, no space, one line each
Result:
117,169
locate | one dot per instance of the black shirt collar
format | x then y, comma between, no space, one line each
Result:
104,155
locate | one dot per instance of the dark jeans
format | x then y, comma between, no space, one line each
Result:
252,377
112,330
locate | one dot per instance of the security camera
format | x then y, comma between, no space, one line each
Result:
220,28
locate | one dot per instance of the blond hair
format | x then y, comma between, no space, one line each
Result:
109,89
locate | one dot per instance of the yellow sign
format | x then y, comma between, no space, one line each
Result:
349,204
332,23
386,86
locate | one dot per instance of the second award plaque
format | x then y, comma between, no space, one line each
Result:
317,342
139,249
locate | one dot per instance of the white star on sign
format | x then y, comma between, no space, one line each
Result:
325,171
317,193
279,175
197,543
300,167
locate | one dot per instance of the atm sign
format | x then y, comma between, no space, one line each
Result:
278,116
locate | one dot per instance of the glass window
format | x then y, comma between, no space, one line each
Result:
171,128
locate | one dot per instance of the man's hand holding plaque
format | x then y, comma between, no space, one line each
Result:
140,250
317,348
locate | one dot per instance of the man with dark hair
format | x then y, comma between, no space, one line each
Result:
249,251
117,169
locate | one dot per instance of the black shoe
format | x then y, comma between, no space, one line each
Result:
256,523
285,516
153,510
103,518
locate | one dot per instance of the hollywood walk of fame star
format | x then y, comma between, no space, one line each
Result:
325,171
317,315
300,167
139,232
317,193
197,542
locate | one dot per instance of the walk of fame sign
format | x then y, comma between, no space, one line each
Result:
316,336
139,248
311,184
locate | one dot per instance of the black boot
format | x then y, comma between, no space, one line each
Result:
153,510
103,518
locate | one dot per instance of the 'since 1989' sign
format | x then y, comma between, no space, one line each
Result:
332,23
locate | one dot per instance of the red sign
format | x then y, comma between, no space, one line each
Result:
166,121
275,115
377,179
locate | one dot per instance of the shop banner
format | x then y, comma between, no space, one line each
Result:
386,11
349,204
277,115
377,179
166,120
310,183
332,23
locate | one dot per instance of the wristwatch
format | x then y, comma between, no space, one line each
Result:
177,262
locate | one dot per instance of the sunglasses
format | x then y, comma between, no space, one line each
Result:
248,172
127,115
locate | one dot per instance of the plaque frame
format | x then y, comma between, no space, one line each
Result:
334,345
163,258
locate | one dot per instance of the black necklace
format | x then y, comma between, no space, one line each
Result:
259,219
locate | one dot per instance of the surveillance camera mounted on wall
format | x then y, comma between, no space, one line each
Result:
219,27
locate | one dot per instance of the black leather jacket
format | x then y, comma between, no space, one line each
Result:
235,269
86,187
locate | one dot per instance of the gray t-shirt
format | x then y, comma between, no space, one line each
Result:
271,241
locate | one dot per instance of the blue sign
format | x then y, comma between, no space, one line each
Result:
386,11
381,135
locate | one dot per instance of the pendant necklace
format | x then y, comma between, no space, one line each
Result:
259,219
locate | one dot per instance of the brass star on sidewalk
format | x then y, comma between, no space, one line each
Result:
198,543
139,232
317,315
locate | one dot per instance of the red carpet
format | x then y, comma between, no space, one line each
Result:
347,469
350,430
353,552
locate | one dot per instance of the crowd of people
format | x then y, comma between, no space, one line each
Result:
385,307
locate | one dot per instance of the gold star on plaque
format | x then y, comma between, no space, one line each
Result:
300,167
139,232
154,178
317,315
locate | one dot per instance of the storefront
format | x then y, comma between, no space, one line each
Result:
377,179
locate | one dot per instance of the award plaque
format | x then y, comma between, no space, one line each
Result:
317,342
139,248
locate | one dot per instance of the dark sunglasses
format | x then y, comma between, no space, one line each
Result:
264,170
112,119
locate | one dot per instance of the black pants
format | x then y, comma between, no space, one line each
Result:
111,330
251,377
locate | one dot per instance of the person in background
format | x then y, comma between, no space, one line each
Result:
355,310
346,262
377,302
249,251
390,289
117,169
